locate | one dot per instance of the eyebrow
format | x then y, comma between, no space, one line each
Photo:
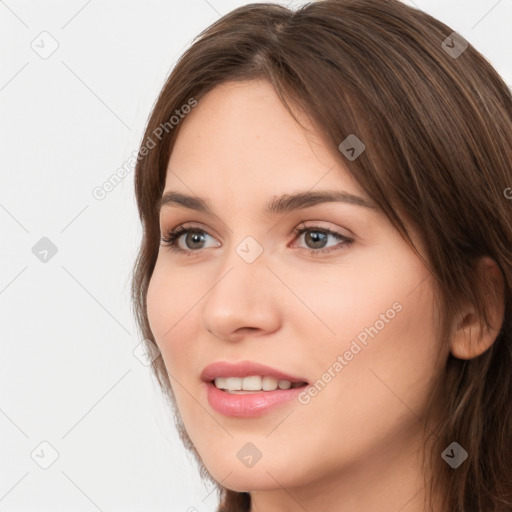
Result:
278,205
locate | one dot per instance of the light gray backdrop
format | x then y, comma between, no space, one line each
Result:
82,424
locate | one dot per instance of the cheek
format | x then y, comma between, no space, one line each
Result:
165,300
368,296
389,362
159,304
380,349
170,294
173,315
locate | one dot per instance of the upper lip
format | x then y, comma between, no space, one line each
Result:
244,369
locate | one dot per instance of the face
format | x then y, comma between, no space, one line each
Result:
321,292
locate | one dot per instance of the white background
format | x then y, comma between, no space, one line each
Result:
68,374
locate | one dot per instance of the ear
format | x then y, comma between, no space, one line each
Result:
468,339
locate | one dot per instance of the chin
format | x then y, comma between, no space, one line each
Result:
261,481
263,476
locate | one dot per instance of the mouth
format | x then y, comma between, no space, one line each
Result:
248,389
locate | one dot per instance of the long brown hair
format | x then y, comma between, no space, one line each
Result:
437,126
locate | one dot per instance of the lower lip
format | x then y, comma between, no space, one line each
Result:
250,404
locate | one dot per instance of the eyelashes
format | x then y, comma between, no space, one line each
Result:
172,239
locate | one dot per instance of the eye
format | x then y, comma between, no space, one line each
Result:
316,239
194,239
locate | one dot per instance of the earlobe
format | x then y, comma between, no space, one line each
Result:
468,339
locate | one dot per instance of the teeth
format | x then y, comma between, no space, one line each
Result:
269,383
252,383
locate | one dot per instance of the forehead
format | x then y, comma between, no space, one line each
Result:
240,141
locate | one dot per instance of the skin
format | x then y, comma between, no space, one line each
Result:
357,444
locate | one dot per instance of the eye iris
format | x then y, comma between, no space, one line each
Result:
316,237
194,237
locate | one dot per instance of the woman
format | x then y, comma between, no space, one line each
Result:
326,261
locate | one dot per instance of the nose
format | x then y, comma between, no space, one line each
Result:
244,299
